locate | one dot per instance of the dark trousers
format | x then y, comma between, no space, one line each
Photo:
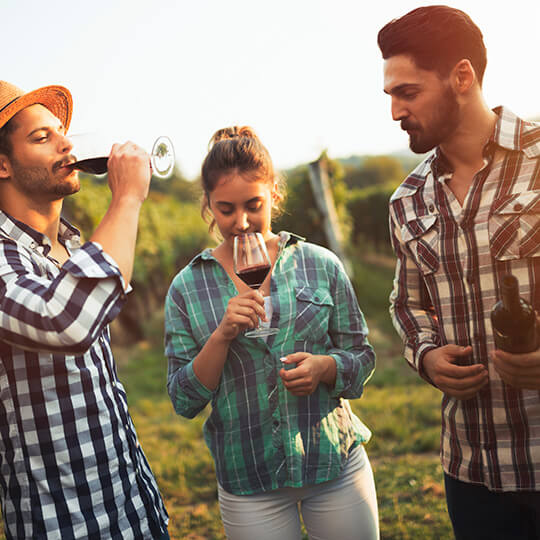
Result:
480,514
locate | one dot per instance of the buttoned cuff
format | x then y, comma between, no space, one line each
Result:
421,351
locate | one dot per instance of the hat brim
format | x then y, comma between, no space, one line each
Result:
55,98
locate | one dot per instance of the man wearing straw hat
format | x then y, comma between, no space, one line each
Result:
70,462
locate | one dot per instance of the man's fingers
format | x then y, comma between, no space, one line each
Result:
452,385
454,371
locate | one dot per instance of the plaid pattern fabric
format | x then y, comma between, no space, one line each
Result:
450,260
260,435
70,463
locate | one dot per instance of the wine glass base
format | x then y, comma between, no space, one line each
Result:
261,332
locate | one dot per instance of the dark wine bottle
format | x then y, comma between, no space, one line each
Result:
513,320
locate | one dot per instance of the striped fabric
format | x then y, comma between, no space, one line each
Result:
450,260
71,465
260,435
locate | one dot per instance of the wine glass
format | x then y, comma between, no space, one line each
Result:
251,265
91,151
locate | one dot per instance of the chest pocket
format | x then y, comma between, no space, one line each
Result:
421,236
514,226
313,310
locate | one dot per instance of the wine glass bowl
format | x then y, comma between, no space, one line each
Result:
252,265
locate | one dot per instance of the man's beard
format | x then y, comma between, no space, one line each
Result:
40,182
444,124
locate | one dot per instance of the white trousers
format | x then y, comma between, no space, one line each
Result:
341,509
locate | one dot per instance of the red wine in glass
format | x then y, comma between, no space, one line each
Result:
252,265
254,275
92,165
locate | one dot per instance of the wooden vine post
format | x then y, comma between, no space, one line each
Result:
320,184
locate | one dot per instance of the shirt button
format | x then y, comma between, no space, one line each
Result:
275,423
518,207
431,208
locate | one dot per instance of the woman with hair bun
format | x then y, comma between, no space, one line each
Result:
281,431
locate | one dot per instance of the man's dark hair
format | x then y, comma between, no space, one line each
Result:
5,140
437,38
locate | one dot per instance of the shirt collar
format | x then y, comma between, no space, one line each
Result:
511,133
29,237
514,133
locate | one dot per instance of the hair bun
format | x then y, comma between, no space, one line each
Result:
233,132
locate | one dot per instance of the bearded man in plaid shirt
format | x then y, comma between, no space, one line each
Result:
465,217
70,462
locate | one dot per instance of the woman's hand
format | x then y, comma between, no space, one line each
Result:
310,371
243,312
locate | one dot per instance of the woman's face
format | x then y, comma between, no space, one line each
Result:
241,204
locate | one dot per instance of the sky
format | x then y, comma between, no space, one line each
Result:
305,74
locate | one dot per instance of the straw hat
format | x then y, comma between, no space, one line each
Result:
56,98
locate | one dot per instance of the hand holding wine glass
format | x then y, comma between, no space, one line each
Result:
129,172
252,265
91,152
243,312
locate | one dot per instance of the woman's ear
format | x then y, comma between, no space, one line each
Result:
276,195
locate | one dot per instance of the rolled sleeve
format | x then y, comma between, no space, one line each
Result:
352,352
62,313
187,393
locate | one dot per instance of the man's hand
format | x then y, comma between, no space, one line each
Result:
461,382
129,171
518,370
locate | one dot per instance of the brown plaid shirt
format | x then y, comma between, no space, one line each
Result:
450,259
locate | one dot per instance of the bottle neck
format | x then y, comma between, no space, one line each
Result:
510,294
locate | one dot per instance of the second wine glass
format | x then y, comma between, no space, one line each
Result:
252,264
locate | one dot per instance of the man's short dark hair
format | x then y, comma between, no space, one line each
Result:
437,38
5,137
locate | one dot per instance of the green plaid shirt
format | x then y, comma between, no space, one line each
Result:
261,436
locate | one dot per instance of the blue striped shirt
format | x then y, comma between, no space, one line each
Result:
70,462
